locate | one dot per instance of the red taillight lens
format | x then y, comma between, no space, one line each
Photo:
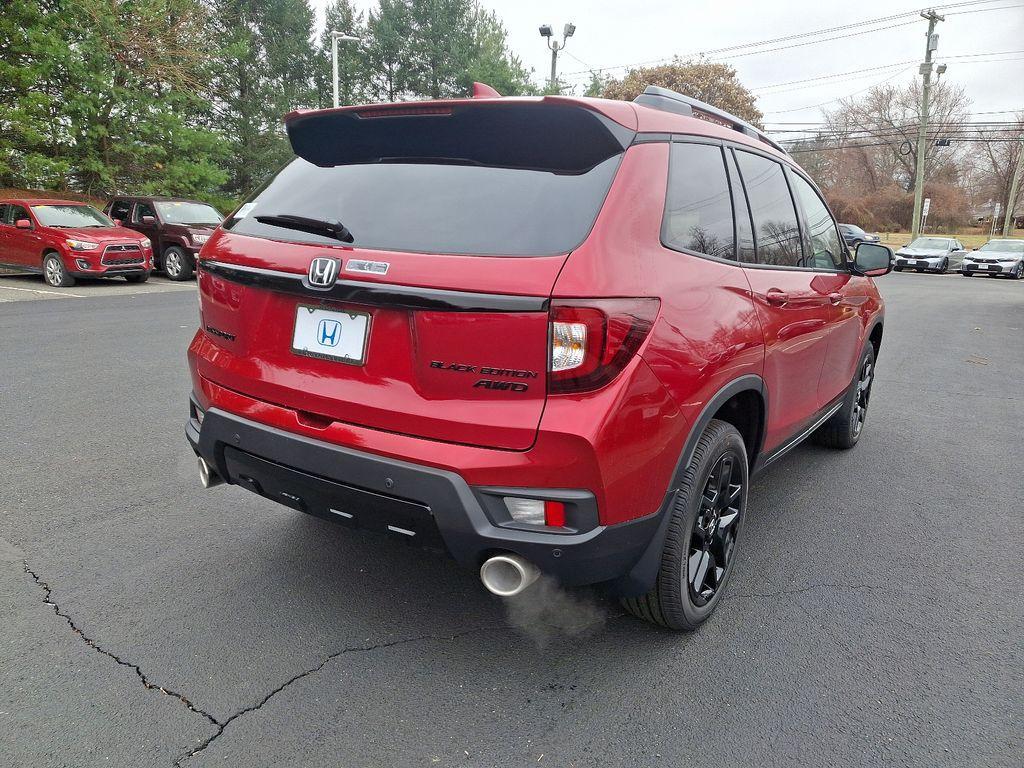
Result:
592,340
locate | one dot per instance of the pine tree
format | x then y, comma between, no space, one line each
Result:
263,70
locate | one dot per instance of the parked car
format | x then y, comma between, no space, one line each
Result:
532,331
177,227
930,254
63,239
854,235
1003,256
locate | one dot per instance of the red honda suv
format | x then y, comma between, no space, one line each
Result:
63,240
552,335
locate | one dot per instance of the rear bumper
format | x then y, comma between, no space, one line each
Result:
421,504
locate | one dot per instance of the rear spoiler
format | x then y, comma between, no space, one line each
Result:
543,134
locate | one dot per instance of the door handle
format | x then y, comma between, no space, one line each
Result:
776,298
835,298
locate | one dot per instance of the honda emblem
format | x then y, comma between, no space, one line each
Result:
323,272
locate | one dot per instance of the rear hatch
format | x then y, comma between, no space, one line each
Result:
439,231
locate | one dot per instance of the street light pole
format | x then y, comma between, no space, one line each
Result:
922,127
545,31
335,37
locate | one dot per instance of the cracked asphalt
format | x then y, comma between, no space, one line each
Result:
875,617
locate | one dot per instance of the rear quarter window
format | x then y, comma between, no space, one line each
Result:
434,207
698,205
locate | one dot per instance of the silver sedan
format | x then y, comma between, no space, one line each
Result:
930,254
996,257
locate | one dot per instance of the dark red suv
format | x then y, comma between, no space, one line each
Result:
552,335
177,227
63,240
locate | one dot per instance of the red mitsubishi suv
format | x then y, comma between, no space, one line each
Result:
552,335
63,240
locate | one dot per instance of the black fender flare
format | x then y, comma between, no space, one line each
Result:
644,573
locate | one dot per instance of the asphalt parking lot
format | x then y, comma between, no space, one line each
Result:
875,616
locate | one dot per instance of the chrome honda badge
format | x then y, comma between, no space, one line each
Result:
323,272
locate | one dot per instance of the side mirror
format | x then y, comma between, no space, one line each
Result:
150,220
872,260
23,224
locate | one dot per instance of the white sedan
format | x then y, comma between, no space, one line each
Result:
996,257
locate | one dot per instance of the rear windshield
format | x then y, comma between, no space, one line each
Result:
434,208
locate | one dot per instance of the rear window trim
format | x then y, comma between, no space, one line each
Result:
376,294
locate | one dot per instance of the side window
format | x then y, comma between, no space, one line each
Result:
143,209
698,208
16,212
119,209
775,224
4,208
744,228
826,247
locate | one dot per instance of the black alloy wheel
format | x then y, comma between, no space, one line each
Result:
699,550
713,537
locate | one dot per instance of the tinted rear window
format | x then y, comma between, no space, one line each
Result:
434,208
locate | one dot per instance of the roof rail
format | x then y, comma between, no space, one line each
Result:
668,100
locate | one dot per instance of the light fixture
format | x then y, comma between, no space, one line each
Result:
568,30
545,30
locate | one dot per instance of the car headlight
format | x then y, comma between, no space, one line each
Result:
81,245
146,242
200,239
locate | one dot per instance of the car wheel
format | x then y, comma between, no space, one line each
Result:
54,272
177,264
945,267
140,278
700,545
967,274
898,269
1018,273
844,428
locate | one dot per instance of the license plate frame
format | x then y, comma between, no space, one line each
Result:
347,322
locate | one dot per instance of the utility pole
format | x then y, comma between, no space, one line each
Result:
545,31
922,127
1014,186
335,37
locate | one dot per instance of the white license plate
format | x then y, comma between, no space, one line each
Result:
331,335
981,266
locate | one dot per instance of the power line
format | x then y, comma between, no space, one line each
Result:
803,35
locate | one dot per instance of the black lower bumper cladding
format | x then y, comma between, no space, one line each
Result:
419,504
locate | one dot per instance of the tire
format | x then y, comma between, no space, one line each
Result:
845,427
696,530
54,272
140,278
177,264
944,268
967,274
1018,273
897,269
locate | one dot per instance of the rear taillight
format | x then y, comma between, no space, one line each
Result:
592,340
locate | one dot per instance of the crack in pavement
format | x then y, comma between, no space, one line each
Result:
313,670
149,685
220,725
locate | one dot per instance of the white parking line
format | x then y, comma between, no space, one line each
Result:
40,290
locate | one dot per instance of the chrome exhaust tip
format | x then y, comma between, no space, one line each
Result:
507,575
208,475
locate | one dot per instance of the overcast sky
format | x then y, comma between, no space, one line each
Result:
611,33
